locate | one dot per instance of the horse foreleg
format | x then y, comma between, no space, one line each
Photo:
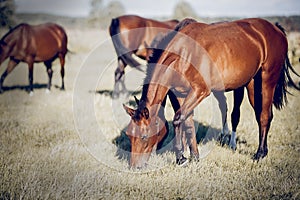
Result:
179,146
193,98
11,65
191,101
3,76
190,133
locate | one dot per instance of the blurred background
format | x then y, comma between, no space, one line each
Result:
99,12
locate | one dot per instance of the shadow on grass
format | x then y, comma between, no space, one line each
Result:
5,195
24,87
204,134
110,93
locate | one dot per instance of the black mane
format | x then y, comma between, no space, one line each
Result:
280,27
156,54
159,49
11,30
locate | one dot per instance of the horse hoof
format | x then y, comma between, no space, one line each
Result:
224,139
183,161
232,145
48,91
114,95
260,155
195,158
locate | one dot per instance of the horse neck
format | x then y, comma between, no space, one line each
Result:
154,97
7,45
4,49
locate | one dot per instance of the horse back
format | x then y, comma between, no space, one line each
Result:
229,52
136,31
36,43
49,40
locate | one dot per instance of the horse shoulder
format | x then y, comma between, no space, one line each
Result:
22,41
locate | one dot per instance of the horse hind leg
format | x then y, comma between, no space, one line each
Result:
30,77
48,65
263,93
222,103
62,69
266,117
238,96
119,86
61,57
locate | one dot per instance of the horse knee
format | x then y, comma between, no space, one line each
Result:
50,72
119,74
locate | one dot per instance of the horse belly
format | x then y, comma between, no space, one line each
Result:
48,44
238,65
238,75
46,50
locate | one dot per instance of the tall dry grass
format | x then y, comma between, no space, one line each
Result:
43,155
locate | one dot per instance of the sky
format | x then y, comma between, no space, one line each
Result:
155,8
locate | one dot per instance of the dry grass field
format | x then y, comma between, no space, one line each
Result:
64,145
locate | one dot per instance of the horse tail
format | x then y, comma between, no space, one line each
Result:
123,53
280,98
70,51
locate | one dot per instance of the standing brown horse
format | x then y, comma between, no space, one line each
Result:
203,58
132,34
40,43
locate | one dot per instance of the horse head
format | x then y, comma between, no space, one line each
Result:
144,132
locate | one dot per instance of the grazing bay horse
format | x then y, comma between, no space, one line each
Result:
202,58
39,43
133,34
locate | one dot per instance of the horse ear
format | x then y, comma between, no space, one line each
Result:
136,100
145,113
129,111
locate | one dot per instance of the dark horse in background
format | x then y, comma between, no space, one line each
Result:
201,59
130,35
39,43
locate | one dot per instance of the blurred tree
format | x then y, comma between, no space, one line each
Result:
97,8
7,13
183,9
104,14
115,9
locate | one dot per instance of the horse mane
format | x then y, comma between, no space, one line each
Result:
184,23
156,54
159,49
12,30
281,28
